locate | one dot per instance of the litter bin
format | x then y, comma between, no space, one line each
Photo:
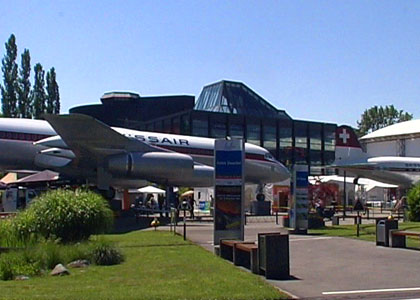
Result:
273,255
382,231
285,221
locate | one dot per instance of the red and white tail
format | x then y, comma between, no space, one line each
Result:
347,147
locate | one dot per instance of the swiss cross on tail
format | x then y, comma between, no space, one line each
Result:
346,137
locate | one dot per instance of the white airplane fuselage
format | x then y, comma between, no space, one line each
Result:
401,171
20,148
349,156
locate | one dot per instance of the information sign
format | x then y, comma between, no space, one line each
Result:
228,190
298,214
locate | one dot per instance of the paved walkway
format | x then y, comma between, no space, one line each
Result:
332,267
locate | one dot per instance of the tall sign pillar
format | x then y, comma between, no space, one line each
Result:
229,190
299,209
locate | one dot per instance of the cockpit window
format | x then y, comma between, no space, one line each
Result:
268,156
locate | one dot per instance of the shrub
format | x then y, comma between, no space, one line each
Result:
5,233
19,262
69,216
105,254
6,272
413,201
50,255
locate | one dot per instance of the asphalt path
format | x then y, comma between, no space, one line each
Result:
333,267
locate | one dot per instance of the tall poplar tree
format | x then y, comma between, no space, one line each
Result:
53,97
24,99
10,75
38,96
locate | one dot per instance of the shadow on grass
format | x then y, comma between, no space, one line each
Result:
155,245
128,223
413,248
316,234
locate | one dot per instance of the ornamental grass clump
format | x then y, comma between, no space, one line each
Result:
105,254
64,215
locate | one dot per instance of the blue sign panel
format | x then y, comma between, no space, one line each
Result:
302,179
228,164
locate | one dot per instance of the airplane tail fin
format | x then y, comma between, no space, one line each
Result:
347,147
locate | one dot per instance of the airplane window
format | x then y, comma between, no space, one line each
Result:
268,156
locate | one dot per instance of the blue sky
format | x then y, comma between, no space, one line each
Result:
318,60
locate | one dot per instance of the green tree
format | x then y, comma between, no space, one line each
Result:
53,94
10,75
376,118
38,96
24,87
413,202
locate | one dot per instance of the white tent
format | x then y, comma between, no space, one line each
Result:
375,190
148,190
368,183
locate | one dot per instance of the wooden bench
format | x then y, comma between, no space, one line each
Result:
246,255
226,248
241,253
270,257
397,237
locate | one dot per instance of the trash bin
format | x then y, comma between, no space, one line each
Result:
382,231
273,255
285,221
335,220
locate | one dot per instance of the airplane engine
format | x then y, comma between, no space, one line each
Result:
201,177
151,165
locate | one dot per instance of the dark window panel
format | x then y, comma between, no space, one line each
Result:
200,127
253,133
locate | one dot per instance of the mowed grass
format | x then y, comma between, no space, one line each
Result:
368,232
158,265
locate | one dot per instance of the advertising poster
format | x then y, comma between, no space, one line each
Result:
228,190
281,198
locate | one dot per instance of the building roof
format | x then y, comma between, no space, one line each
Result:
235,98
407,128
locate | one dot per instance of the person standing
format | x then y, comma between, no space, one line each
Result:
191,202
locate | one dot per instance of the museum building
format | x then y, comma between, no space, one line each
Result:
224,108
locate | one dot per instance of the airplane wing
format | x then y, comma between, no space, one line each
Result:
86,136
355,166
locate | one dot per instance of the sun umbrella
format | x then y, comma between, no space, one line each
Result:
187,193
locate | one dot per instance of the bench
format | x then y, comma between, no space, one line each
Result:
226,248
241,253
397,237
270,257
246,255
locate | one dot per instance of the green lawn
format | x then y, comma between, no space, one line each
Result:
158,265
367,232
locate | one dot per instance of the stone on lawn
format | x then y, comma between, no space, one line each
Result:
81,263
59,270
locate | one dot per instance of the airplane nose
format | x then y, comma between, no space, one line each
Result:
281,172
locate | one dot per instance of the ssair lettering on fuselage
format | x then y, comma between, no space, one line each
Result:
158,140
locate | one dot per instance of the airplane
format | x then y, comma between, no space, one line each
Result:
79,146
350,156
